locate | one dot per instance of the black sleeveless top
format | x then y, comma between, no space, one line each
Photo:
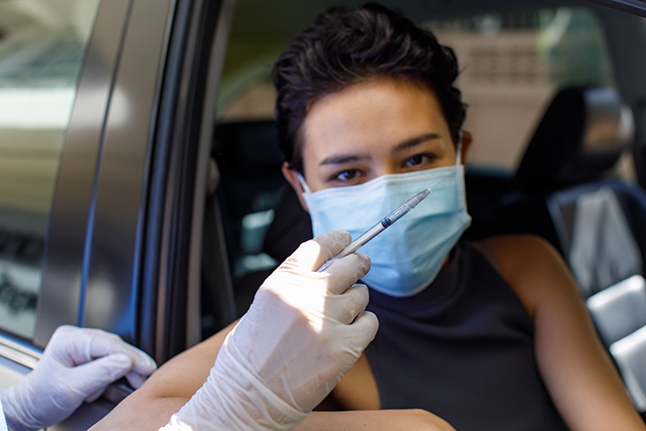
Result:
462,349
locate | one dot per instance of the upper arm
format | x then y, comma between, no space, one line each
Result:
575,367
356,391
375,420
167,390
183,375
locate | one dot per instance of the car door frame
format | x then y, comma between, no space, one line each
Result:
124,241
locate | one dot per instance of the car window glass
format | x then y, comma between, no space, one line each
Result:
512,65
42,46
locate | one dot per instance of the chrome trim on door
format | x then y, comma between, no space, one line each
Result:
64,256
18,352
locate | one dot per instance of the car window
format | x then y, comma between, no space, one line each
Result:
512,64
42,47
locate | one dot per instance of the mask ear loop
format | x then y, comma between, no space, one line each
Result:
303,183
459,151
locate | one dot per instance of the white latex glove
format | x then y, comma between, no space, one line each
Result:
302,333
78,365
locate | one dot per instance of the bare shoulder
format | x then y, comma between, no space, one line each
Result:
577,372
532,267
515,249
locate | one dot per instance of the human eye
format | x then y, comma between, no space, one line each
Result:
346,176
419,160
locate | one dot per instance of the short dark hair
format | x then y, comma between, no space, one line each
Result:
346,47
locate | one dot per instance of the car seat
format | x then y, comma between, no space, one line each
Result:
291,226
619,310
249,162
561,190
573,144
599,225
217,301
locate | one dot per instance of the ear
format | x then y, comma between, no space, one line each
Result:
292,178
467,139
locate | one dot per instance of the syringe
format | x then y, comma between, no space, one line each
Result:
385,222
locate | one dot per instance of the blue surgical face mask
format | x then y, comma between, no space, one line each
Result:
408,255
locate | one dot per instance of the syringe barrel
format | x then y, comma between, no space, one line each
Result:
361,240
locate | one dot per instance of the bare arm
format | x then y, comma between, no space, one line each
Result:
374,420
168,389
577,371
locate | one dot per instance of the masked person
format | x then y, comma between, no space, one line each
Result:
78,365
488,336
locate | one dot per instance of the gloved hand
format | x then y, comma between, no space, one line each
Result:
78,365
302,333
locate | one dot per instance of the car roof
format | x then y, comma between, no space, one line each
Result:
636,7
252,14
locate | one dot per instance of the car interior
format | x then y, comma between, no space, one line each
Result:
570,180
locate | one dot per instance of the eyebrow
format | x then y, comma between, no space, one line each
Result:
338,159
409,143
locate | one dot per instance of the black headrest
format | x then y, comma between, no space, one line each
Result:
249,161
291,226
247,145
582,134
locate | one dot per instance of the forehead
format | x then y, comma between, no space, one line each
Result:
370,116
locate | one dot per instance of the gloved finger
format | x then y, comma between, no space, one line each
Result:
311,255
95,376
135,379
331,244
362,331
101,388
95,395
69,344
343,273
142,364
345,308
105,343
